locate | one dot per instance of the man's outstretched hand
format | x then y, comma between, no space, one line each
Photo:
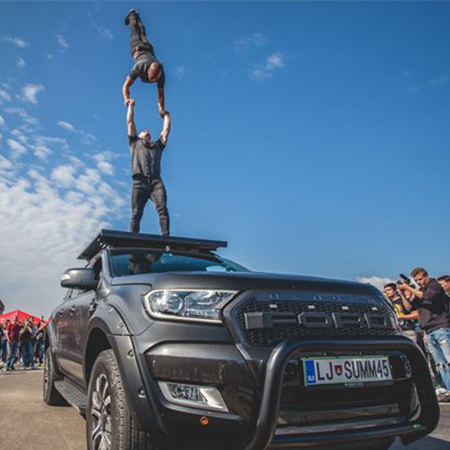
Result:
128,101
162,112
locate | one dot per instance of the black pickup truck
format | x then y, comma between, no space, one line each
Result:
162,344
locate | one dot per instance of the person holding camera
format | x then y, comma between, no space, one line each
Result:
40,341
402,307
431,301
444,281
26,337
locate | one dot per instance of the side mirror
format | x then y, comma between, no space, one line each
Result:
79,279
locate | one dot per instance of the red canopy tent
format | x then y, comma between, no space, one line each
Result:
21,316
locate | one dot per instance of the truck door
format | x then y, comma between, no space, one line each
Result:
65,325
87,305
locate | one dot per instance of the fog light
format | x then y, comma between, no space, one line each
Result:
205,397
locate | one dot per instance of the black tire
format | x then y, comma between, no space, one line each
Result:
51,396
108,410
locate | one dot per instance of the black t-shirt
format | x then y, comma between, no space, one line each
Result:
26,335
141,66
433,307
145,158
397,303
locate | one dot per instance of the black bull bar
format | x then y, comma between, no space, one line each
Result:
263,437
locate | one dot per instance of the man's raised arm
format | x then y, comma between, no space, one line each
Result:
161,100
126,90
131,126
166,128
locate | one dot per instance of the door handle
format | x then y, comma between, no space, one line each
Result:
72,309
60,312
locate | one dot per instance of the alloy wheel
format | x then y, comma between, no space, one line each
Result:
101,414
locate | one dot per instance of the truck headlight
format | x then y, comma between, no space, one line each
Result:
185,304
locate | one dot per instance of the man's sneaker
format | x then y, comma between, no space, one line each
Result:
440,391
127,17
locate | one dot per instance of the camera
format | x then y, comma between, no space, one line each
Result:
404,279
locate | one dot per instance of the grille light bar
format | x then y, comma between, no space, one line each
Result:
205,397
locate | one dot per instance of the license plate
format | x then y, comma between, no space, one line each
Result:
322,371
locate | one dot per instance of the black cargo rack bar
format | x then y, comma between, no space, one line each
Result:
123,239
264,434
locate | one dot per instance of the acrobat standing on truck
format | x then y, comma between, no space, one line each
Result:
146,170
146,67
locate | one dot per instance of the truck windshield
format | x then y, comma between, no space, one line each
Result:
136,262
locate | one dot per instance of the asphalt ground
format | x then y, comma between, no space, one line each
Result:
26,423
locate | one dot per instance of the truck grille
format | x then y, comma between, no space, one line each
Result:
266,323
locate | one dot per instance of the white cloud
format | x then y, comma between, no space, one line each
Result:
273,63
86,138
62,42
45,223
66,125
41,151
21,63
17,41
59,143
5,163
2,121
179,72
50,56
102,32
20,136
22,114
103,165
29,123
378,282
256,40
64,176
6,168
87,183
30,92
17,149
4,96
439,81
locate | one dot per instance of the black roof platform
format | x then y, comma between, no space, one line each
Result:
123,239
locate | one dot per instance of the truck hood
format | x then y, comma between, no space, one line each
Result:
240,281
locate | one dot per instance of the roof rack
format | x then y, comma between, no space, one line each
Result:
118,239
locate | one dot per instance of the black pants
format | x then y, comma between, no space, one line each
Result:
143,190
138,39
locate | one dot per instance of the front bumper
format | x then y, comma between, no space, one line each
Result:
265,436
257,385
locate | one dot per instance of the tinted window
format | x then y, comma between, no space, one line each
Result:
136,262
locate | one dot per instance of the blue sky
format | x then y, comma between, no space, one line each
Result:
312,136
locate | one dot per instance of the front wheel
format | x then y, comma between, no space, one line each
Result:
109,423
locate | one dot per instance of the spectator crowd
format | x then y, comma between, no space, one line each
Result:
422,306
22,342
